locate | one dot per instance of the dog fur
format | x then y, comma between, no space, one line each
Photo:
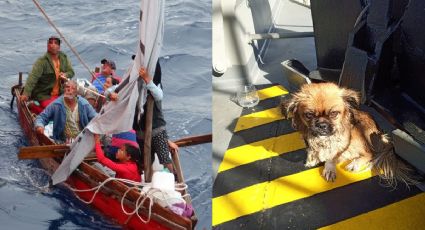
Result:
335,130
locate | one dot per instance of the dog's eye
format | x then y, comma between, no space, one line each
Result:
333,114
309,115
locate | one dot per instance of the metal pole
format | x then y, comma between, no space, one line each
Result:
253,37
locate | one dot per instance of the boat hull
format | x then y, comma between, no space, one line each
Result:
108,199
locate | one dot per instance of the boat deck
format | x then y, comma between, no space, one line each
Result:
260,180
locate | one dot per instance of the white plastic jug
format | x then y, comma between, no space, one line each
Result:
163,181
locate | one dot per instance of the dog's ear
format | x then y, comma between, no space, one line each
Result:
351,98
288,105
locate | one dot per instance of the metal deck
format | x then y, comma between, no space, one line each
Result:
263,184
260,181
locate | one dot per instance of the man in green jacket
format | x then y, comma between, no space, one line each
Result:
44,81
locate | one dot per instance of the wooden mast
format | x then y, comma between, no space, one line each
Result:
147,140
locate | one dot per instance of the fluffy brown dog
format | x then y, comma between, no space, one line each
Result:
335,130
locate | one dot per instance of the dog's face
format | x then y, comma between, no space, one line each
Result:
322,109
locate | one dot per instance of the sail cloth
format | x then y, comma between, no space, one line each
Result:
116,117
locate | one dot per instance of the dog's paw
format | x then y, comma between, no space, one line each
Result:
311,161
353,166
357,166
329,172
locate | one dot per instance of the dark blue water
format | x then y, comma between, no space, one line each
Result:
102,29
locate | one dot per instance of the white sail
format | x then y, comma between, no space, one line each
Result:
118,116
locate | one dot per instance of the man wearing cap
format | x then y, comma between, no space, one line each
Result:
114,68
44,80
108,68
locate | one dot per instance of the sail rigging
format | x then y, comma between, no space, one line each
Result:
118,116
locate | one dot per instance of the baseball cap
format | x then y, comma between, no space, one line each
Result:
109,62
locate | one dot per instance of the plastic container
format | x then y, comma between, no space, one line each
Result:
163,181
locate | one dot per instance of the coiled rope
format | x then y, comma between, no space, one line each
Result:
140,200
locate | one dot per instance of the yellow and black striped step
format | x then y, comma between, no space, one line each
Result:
406,214
263,184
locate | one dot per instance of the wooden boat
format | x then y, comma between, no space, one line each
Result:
108,199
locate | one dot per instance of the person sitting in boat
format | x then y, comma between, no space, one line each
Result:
128,157
107,70
160,143
109,86
70,114
114,75
109,82
152,88
44,80
117,140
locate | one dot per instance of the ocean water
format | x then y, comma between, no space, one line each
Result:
102,29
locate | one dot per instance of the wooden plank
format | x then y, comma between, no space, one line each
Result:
48,151
44,151
194,140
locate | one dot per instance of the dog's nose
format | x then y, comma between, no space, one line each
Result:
322,128
322,125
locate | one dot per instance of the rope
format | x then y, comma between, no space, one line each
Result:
66,41
180,186
139,204
140,200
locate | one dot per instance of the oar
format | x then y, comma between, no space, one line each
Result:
46,151
194,140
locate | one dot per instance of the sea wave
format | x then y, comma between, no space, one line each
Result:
102,29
